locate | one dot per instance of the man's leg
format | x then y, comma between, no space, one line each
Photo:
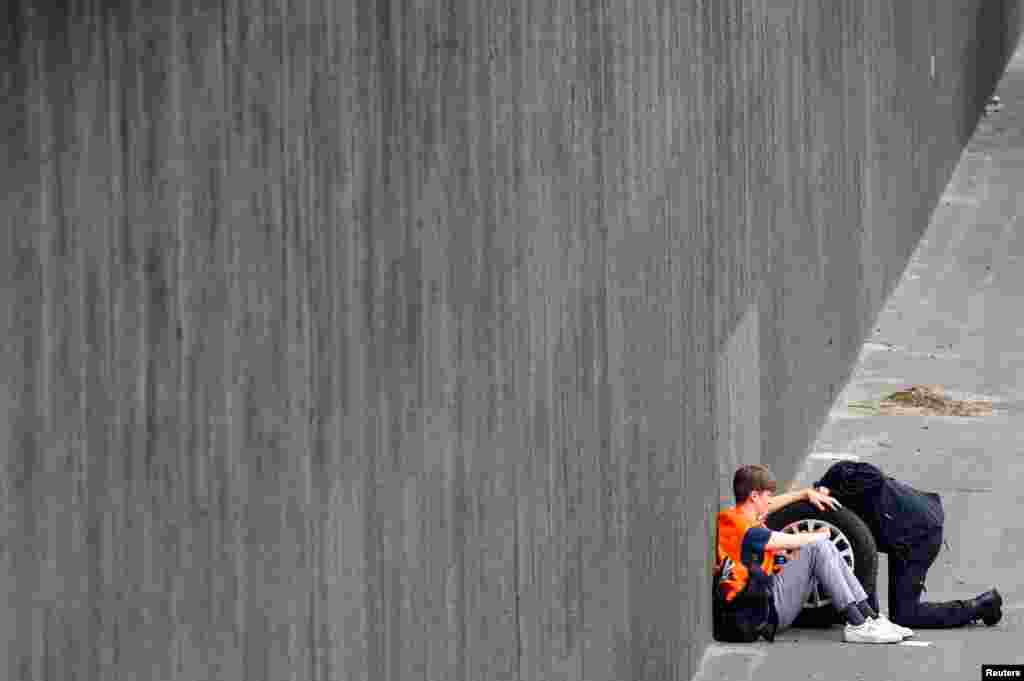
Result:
851,579
838,569
873,601
906,583
857,587
791,587
818,562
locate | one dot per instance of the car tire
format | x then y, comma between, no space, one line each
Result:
855,543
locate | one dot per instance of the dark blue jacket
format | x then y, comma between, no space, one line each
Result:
898,515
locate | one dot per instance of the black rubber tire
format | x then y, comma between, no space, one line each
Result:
862,546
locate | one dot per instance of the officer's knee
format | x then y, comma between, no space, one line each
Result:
901,611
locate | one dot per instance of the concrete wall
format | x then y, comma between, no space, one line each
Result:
369,340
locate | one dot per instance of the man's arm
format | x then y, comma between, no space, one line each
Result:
785,541
820,497
781,500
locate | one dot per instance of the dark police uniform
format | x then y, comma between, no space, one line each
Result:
907,525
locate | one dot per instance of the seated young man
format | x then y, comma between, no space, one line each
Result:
747,550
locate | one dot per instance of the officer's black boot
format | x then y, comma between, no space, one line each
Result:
987,607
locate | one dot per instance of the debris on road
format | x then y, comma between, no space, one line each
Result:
923,400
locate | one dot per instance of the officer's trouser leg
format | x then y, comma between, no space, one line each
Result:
906,583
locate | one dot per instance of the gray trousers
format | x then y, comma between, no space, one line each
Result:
817,563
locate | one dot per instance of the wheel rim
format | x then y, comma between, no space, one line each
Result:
818,598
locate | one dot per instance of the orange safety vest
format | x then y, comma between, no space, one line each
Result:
732,525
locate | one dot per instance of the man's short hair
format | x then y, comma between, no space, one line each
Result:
752,478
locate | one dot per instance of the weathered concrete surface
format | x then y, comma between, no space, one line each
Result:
955,320
379,340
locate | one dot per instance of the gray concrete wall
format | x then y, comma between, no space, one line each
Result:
368,340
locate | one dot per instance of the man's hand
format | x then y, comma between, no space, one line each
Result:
821,498
792,554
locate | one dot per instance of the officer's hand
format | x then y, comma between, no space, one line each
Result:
822,499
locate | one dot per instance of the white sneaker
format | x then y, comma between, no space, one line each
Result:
904,631
870,632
